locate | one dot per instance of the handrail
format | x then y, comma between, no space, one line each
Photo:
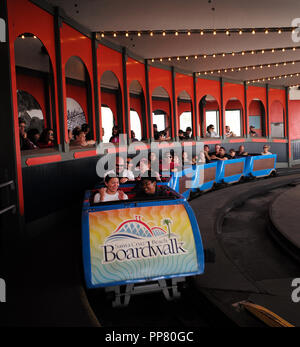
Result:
9,183
12,207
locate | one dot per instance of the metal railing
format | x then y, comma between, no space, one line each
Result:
10,184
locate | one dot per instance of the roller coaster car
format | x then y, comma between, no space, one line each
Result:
194,179
155,242
203,177
260,165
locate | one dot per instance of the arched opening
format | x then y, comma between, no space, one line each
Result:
137,110
161,110
136,126
277,119
78,97
30,111
35,93
256,118
234,117
111,104
76,115
209,116
185,109
107,123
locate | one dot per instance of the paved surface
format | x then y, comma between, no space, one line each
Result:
248,264
285,214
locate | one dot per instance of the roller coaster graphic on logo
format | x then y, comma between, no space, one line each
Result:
141,247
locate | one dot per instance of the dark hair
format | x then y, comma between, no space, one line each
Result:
76,131
21,120
31,133
44,135
115,127
85,127
232,150
109,177
223,148
188,129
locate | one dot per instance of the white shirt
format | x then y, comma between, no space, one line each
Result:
212,134
262,153
109,197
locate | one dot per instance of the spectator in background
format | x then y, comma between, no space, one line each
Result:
167,134
133,138
115,135
46,139
252,132
266,150
70,135
181,135
188,133
86,129
228,132
80,140
211,131
155,132
33,135
161,136
25,143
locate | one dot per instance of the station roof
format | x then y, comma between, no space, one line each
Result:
271,50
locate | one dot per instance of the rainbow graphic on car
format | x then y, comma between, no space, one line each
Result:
141,243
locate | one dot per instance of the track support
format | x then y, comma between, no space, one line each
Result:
169,288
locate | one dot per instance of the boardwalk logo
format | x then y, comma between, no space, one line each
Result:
2,30
2,290
136,240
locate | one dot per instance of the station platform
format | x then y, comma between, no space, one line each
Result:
284,215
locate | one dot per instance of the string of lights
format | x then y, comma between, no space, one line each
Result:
189,32
251,67
224,54
279,77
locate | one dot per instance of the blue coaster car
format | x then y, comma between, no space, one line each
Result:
139,240
197,177
230,171
260,165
